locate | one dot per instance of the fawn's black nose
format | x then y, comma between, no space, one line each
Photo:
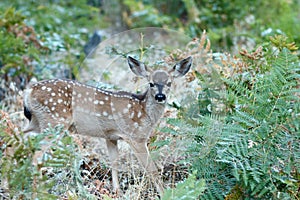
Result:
160,97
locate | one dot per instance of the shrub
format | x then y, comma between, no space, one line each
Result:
250,150
19,45
56,174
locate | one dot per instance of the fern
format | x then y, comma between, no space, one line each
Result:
265,120
253,151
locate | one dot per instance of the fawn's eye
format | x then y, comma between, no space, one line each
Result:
169,84
151,84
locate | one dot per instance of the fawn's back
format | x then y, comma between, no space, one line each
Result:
93,111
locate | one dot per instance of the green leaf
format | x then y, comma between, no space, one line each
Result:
189,189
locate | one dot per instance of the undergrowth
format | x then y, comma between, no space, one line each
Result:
62,172
55,174
251,149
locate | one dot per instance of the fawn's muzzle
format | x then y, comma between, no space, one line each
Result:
160,97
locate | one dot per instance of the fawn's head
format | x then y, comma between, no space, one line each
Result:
160,81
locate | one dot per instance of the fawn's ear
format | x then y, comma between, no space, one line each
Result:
137,67
182,67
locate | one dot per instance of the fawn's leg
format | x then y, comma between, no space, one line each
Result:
141,152
112,146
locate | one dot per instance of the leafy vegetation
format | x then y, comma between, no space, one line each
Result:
57,173
30,33
26,180
19,45
251,152
230,23
191,188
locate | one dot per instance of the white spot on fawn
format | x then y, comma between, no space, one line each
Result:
131,115
139,114
44,88
125,110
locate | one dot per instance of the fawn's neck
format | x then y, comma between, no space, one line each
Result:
153,109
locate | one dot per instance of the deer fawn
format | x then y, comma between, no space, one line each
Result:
101,113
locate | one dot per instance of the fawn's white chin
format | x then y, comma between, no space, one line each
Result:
161,102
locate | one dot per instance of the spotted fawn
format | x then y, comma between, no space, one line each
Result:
101,113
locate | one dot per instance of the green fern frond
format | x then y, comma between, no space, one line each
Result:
256,146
